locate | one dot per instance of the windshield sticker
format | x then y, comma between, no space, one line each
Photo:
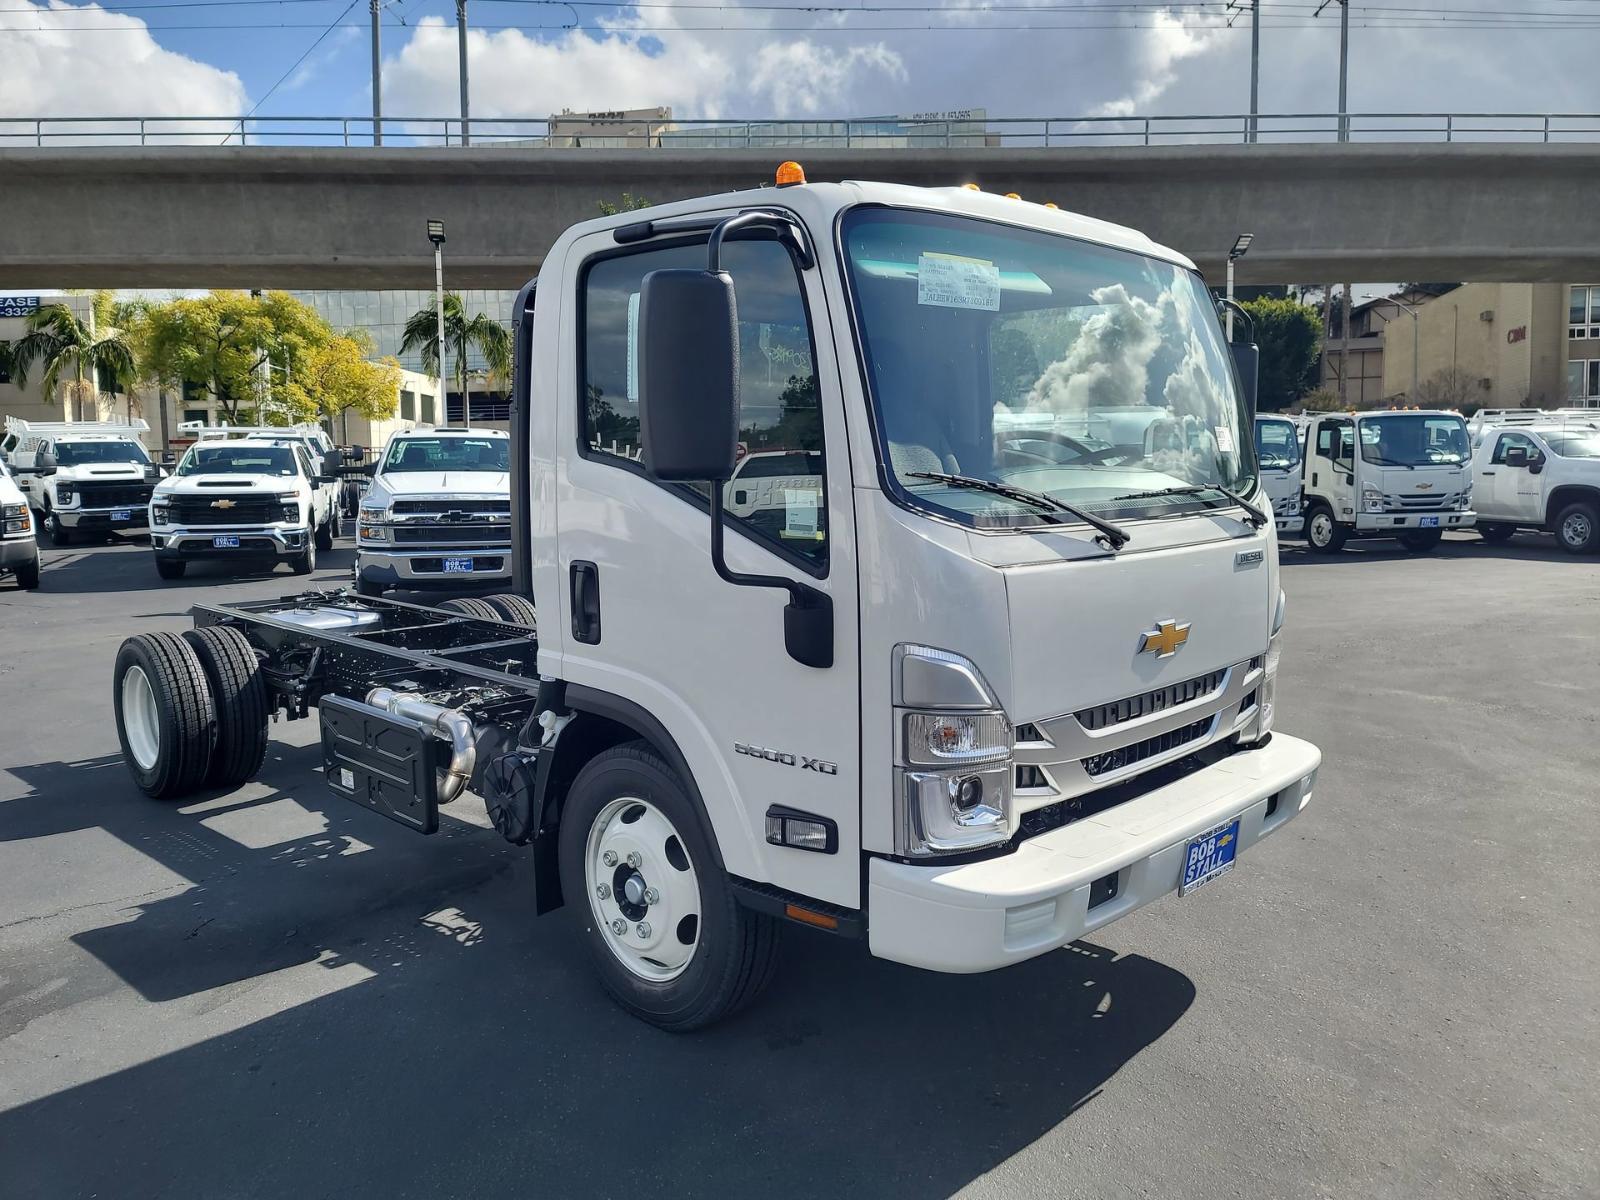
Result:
800,515
950,281
1224,438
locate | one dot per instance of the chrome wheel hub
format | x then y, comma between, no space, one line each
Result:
643,889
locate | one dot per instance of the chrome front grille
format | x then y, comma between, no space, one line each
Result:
436,507
1127,756
1420,501
1103,716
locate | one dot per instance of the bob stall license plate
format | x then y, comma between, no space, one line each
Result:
458,566
226,541
1209,855
122,514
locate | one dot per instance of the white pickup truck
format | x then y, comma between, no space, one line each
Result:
19,553
438,513
243,502
1542,477
87,479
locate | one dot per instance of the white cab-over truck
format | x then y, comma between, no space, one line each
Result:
1278,453
19,552
438,513
87,479
963,702
248,502
1401,473
1543,477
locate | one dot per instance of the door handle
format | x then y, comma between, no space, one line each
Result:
586,603
1488,472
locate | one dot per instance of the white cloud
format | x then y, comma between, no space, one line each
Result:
64,72
1155,66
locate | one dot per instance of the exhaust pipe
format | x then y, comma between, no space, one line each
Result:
448,724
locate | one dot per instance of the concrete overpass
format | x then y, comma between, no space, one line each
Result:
353,218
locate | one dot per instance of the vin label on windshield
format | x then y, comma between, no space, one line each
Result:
950,281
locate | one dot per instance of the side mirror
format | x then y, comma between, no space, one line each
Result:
45,463
1247,361
688,374
1536,464
1516,456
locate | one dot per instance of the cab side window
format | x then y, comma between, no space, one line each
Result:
777,494
1507,441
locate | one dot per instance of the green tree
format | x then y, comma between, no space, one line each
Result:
247,349
90,353
1290,336
461,335
339,377
629,203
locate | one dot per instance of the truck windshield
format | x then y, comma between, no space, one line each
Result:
79,454
1414,440
448,454
1094,375
1277,445
234,459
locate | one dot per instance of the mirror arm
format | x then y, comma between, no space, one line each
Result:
778,221
808,617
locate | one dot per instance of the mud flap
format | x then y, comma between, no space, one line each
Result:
381,761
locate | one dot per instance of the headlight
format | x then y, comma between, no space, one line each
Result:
65,494
17,519
954,770
1371,498
159,506
371,524
1466,499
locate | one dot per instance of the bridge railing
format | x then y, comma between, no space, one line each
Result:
960,131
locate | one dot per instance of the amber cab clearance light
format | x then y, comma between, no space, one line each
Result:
790,173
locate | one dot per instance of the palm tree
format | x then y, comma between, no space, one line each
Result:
484,333
59,342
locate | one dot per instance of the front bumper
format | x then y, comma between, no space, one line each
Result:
254,542
18,550
101,518
999,911
1385,522
423,567
1290,524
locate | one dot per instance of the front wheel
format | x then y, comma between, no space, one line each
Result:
306,561
60,535
671,943
1496,534
28,575
1323,534
1421,541
1578,527
324,535
368,587
170,568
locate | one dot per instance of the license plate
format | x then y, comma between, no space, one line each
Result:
457,566
1428,523
121,514
228,541
1209,855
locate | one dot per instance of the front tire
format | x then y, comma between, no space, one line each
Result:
1578,527
171,568
306,561
239,694
324,535
60,535
368,587
1421,541
1323,534
1495,534
28,575
166,720
669,940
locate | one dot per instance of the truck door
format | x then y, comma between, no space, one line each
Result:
1332,465
1513,492
643,614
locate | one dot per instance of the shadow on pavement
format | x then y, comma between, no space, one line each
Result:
126,566
1529,547
477,1055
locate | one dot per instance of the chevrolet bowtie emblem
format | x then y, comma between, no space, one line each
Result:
1424,487
1166,639
222,504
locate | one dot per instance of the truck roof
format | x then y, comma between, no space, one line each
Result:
457,431
820,201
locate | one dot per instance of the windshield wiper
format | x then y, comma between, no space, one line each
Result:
1253,514
1113,535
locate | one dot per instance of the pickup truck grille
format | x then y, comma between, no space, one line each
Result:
435,507
1420,501
245,509
1126,756
429,533
1103,716
120,493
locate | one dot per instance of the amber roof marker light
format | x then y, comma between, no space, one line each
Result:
789,174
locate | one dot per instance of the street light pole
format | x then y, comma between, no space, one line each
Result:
436,236
1241,245
1255,69
461,41
1416,342
377,75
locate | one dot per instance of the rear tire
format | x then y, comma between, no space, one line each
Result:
166,721
239,694
514,609
1324,535
171,568
1496,534
1421,541
1578,527
471,606
731,950
28,575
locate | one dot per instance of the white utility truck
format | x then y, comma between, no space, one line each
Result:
84,478
1543,477
1006,698
248,502
1395,473
438,513
1278,453
19,552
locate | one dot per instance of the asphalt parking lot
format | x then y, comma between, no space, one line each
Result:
272,993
